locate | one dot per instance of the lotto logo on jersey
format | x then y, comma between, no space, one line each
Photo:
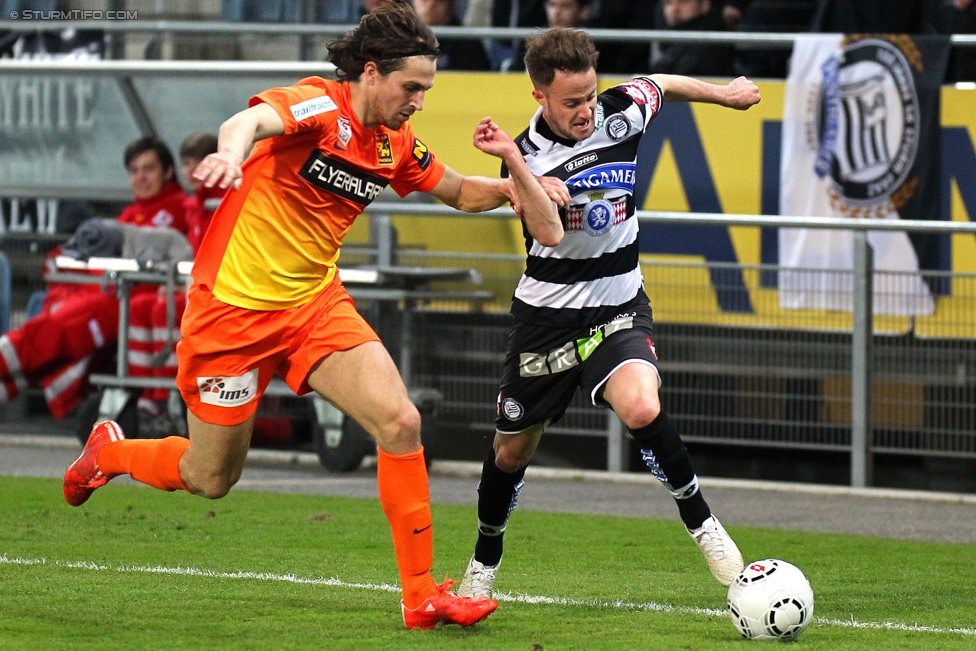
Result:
312,107
580,161
228,391
643,91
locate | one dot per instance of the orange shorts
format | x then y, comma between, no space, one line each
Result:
227,354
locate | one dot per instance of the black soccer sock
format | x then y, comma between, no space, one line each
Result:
669,461
498,492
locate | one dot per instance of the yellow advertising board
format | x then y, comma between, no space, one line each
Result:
733,154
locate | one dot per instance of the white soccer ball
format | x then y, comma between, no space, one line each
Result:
770,600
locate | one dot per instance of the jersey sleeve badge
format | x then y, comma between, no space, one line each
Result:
384,150
644,92
421,154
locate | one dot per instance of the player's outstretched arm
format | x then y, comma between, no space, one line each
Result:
478,193
740,93
235,137
535,201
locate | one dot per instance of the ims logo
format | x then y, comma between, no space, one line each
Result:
228,391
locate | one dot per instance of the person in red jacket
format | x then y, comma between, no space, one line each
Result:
152,337
160,199
77,329
201,205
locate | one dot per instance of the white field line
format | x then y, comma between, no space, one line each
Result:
518,598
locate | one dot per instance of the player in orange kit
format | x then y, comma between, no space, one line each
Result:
266,297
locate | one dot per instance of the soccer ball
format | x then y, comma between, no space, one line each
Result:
770,600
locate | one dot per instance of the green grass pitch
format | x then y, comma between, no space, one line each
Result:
136,568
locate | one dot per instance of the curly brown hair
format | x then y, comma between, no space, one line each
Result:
385,37
559,48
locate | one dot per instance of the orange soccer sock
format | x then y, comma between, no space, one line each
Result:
405,497
155,462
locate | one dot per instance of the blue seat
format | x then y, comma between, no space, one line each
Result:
36,303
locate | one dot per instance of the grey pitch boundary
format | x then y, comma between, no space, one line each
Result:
472,470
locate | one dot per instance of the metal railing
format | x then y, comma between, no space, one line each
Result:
318,33
755,39
861,362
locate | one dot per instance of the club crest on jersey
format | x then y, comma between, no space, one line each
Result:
617,127
228,391
597,215
345,130
384,150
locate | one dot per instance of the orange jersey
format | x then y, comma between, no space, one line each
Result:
273,243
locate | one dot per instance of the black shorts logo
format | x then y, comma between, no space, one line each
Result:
341,178
511,409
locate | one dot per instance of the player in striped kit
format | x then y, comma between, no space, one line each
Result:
581,316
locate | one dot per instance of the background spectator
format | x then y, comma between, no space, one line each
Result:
691,58
456,53
567,13
369,6
559,13
877,16
512,13
154,320
732,12
199,207
477,13
77,329
958,17
152,175
767,16
617,57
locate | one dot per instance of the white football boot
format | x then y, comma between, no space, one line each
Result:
723,557
478,581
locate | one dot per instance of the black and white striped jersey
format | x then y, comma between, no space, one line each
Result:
593,273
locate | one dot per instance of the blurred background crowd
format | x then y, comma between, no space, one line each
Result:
472,54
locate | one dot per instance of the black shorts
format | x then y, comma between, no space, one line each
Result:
544,366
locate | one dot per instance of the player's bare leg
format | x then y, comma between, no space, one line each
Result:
363,383
207,464
215,459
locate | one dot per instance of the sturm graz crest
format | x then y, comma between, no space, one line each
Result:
598,217
868,123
